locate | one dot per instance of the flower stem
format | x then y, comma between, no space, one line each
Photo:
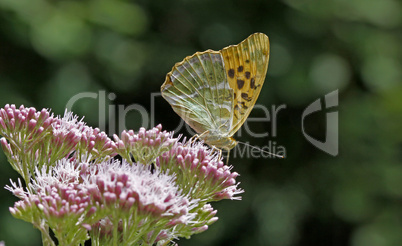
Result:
46,239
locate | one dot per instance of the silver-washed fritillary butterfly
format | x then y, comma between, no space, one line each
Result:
215,91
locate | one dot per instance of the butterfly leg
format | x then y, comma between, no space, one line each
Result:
193,138
197,137
219,151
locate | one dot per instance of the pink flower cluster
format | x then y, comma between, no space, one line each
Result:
160,191
144,146
124,186
24,121
25,132
200,170
32,139
74,198
146,201
91,143
57,197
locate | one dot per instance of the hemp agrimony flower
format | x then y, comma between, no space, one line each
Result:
159,189
144,146
28,141
57,198
93,143
200,172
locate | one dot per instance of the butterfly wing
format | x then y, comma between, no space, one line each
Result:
246,65
198,92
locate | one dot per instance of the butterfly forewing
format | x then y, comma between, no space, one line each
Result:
198,91
246,65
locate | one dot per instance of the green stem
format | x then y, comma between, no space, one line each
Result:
115,230
46,239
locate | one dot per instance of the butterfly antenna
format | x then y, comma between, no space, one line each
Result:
263,151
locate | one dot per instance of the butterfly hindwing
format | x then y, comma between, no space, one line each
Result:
198,91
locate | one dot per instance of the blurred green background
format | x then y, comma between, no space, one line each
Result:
52,50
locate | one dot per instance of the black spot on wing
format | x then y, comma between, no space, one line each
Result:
231,73
252,83
248,74
240,83
245,97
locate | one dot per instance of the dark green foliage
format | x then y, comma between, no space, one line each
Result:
52,50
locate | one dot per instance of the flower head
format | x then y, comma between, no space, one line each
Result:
57,197
88,142
33,139
138,197
159,191
75,197
144,146
26,122
200,172
25,139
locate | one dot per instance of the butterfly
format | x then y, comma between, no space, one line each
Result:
215,91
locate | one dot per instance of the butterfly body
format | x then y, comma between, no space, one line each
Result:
214,91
